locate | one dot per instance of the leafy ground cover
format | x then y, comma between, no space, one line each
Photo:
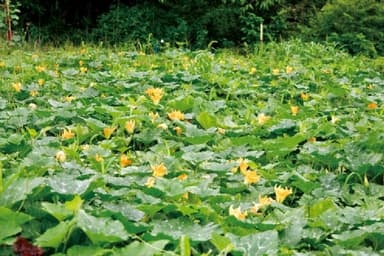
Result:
117,152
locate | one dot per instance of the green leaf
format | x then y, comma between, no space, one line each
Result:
101,230
142,249
221,243
176,228
320,207
55,236
263,243
86,250
18,190
10,222
59,211
75,204
206,120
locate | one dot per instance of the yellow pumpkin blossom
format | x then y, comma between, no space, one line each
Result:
69,98
33,93
262,118
130,126
372,105
237,213
108,131
125,161
67,134
159,170
40,82
176,115
182,176
40,69
60,156
178,130
251,177
252,71
155,94
16,87
282,193
275,71
150,182
294,110
304,96
288,69
163,126
99,158
153,116
83,70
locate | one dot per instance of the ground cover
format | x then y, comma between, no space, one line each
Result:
118,152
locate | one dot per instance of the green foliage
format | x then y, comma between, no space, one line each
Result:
134,24
355,26
301,116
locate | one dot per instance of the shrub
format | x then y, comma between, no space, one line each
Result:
354,25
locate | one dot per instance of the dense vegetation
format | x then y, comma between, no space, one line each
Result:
118,152
353,25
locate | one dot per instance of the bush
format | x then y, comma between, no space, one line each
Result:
354,25
123,23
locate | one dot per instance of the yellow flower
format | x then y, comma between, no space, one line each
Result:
176,115
124,161
108,132
163,126
67,134
69,98
372,105
83,51
155,94
304,96
294,110
264,201
85,147
262,118
288,69
252,71
83,69
178,130
16,87
130,126
251,177
282,193
60,156
40,69
153,116
150,182
326,71
237,213
81,63
182,176
159,170
221,131
312,139
32,106
275,71
334,119
99,158
243,164
2,64
33,93
40,81
186,195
